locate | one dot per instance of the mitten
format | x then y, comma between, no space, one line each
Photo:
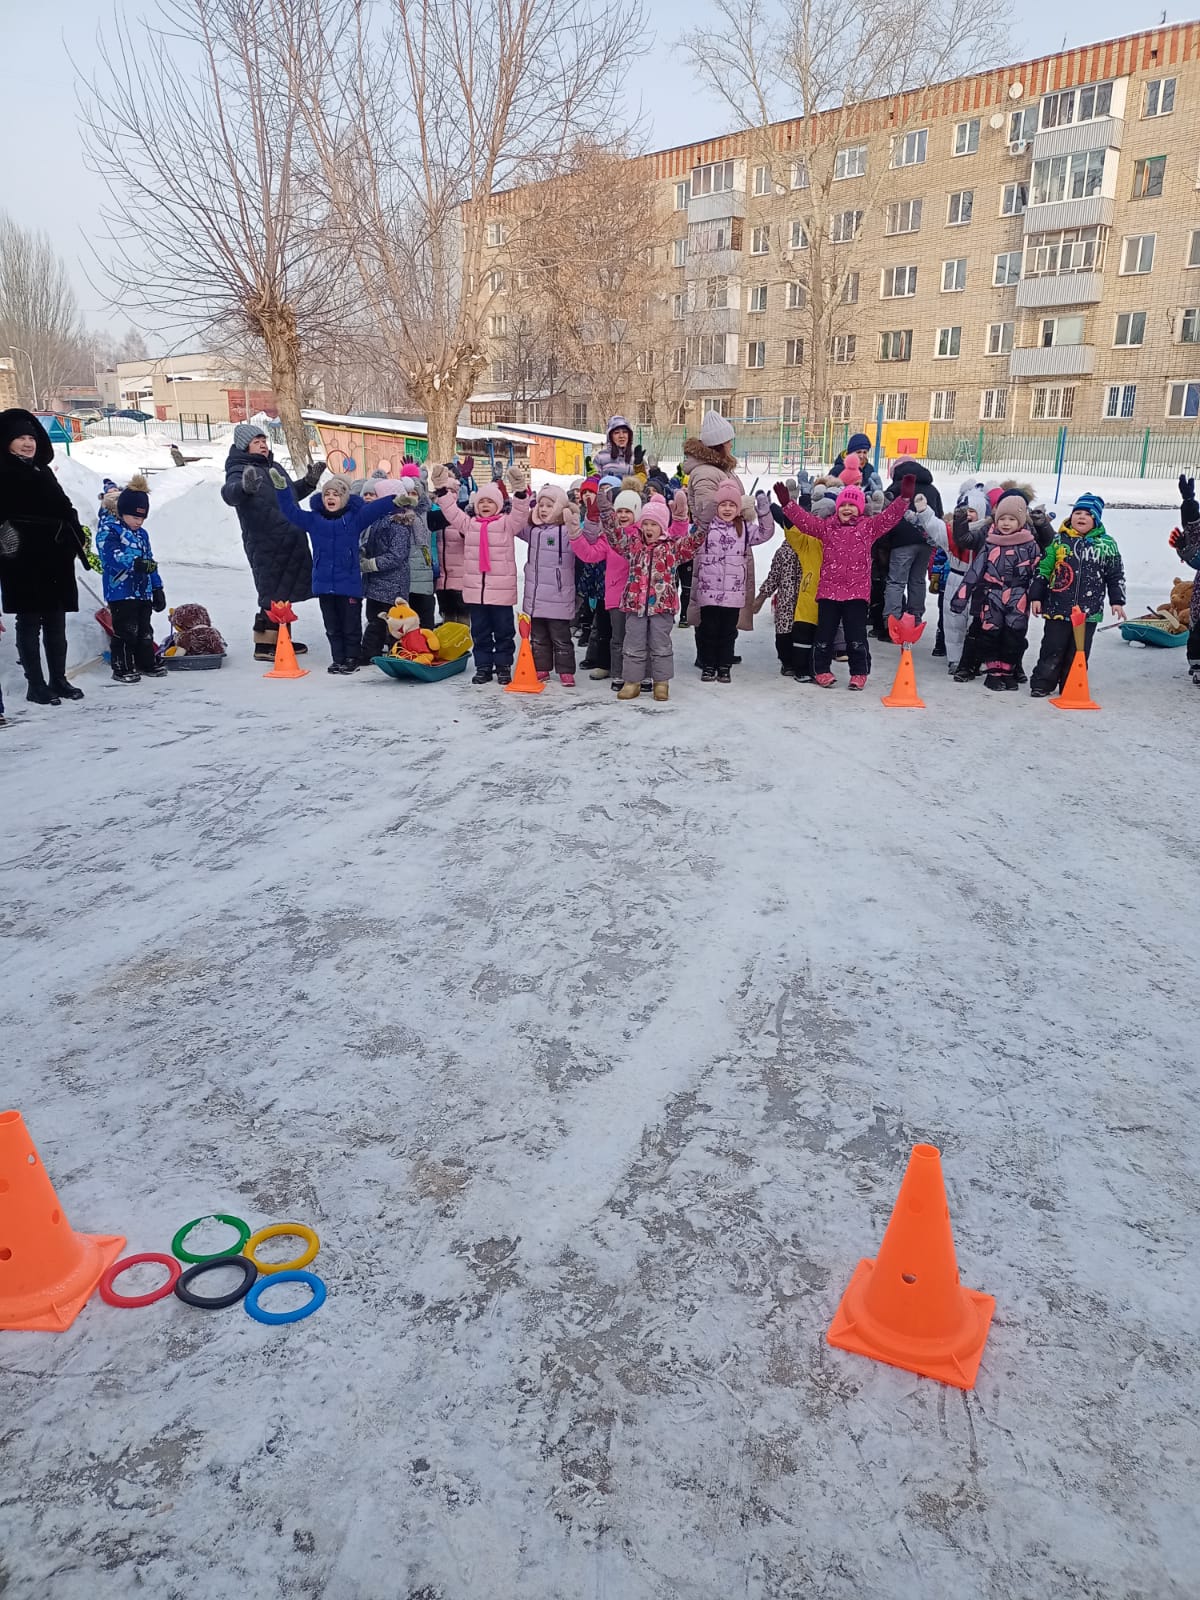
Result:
368,564
468,466
159,600
1174,540
761,502
639,455
571,519
1188,509
920,503
782,494
517,479
439,478
145,566
908,486
277,478
251,483
747,506
679,507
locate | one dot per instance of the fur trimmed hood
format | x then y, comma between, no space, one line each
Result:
708,455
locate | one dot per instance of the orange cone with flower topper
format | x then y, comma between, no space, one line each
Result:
286,666
1076,696
905,632
525,678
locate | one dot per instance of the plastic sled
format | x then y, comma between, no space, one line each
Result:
423,671
1143,632
192,663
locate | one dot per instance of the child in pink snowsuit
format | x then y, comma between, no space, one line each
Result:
489,566
844,590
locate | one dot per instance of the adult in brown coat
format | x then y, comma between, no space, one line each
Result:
708,461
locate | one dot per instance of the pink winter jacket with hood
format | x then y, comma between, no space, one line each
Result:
846,555
489,543
719,569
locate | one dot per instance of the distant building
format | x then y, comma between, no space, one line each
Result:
8,383
182,388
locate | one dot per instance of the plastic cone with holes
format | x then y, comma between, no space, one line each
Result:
286,665
48,1272
907,1307
905,631
525,678
1076,695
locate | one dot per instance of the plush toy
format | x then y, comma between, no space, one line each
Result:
409,639
192,633
1180,603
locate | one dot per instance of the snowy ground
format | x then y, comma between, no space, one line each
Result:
592,1039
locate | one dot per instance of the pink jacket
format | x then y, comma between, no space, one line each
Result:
452,554
489,556
590,548
651,589
846,556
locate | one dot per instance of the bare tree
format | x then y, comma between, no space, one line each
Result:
834,63
39,315
418,113
192,128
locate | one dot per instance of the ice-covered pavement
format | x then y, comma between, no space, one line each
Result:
593,1039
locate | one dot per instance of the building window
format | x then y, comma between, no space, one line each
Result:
1189,325
716,178
794,353
948,344
760,239
754,408
725,233
645,362
1148,177
954,275
1131,330
712,349
716,294
799,175
844,226
798,237
903,216
678,307
1052,403
500,371
1000,338
1193,255
756,353
795,295
762,180
683,193
579,415
1022,125
1137,254
758,297
679,358
896,345
941,405
1061,330
1158,99
1007,269
1076,105
495,280
842,348
908,149
898,283
679,252
958,211
993,405
850,287
791,409
851,163
1013,199
1119,402
496,235
895,405
1075,177
966,137
841,405
498,327
1071,250
1183,400
681,414
645,413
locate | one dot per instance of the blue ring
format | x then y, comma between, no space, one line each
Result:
275,1318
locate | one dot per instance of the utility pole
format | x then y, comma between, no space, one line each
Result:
17,351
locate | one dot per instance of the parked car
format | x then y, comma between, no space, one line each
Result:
134,416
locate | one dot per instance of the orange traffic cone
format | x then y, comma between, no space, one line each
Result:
525,678
904,688
907,1307
1076,696
47,1270
282,615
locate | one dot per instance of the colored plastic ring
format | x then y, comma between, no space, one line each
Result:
109,1295
220,1301
282,1230
275,1318
214,1216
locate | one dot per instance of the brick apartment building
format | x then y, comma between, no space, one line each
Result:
1031,256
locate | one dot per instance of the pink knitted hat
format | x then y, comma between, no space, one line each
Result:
728,489
655,510
852,495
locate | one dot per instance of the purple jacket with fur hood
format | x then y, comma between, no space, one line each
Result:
719,573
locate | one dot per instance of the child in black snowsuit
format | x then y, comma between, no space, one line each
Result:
997,585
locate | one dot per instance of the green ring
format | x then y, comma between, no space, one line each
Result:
235,1249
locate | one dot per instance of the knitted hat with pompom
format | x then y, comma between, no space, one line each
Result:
852,495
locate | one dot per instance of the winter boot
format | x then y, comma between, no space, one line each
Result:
484,675
825,680
598,674
567,679
708,675
630,691
503,675
66,690
265,635
857,681
994,680
724,675
662,691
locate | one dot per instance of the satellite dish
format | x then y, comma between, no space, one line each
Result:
996,120
1016,90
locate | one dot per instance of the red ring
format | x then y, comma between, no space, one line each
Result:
131,1301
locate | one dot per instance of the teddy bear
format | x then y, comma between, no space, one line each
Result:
192,633
1180,603
409,639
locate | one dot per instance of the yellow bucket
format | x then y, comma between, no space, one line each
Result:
454,640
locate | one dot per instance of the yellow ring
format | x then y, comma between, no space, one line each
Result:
279,1230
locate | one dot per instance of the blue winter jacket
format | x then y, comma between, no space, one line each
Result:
119,547
335,540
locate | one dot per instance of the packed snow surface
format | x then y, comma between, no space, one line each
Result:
593,1039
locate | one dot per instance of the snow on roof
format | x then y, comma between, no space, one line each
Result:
393,425
544,430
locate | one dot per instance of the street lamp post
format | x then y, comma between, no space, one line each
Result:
17,350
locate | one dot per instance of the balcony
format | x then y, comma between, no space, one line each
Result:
714,263
714,319
1060,289
1107,133
720,376
1095,211
1053,361
711,207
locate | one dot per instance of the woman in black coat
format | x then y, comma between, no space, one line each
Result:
277,551
40,541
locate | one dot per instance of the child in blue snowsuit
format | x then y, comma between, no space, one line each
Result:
133,589
333,526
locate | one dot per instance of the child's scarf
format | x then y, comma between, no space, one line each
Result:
485,554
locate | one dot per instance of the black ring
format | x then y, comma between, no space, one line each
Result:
220,1301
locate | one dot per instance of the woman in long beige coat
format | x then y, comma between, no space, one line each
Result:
707,462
